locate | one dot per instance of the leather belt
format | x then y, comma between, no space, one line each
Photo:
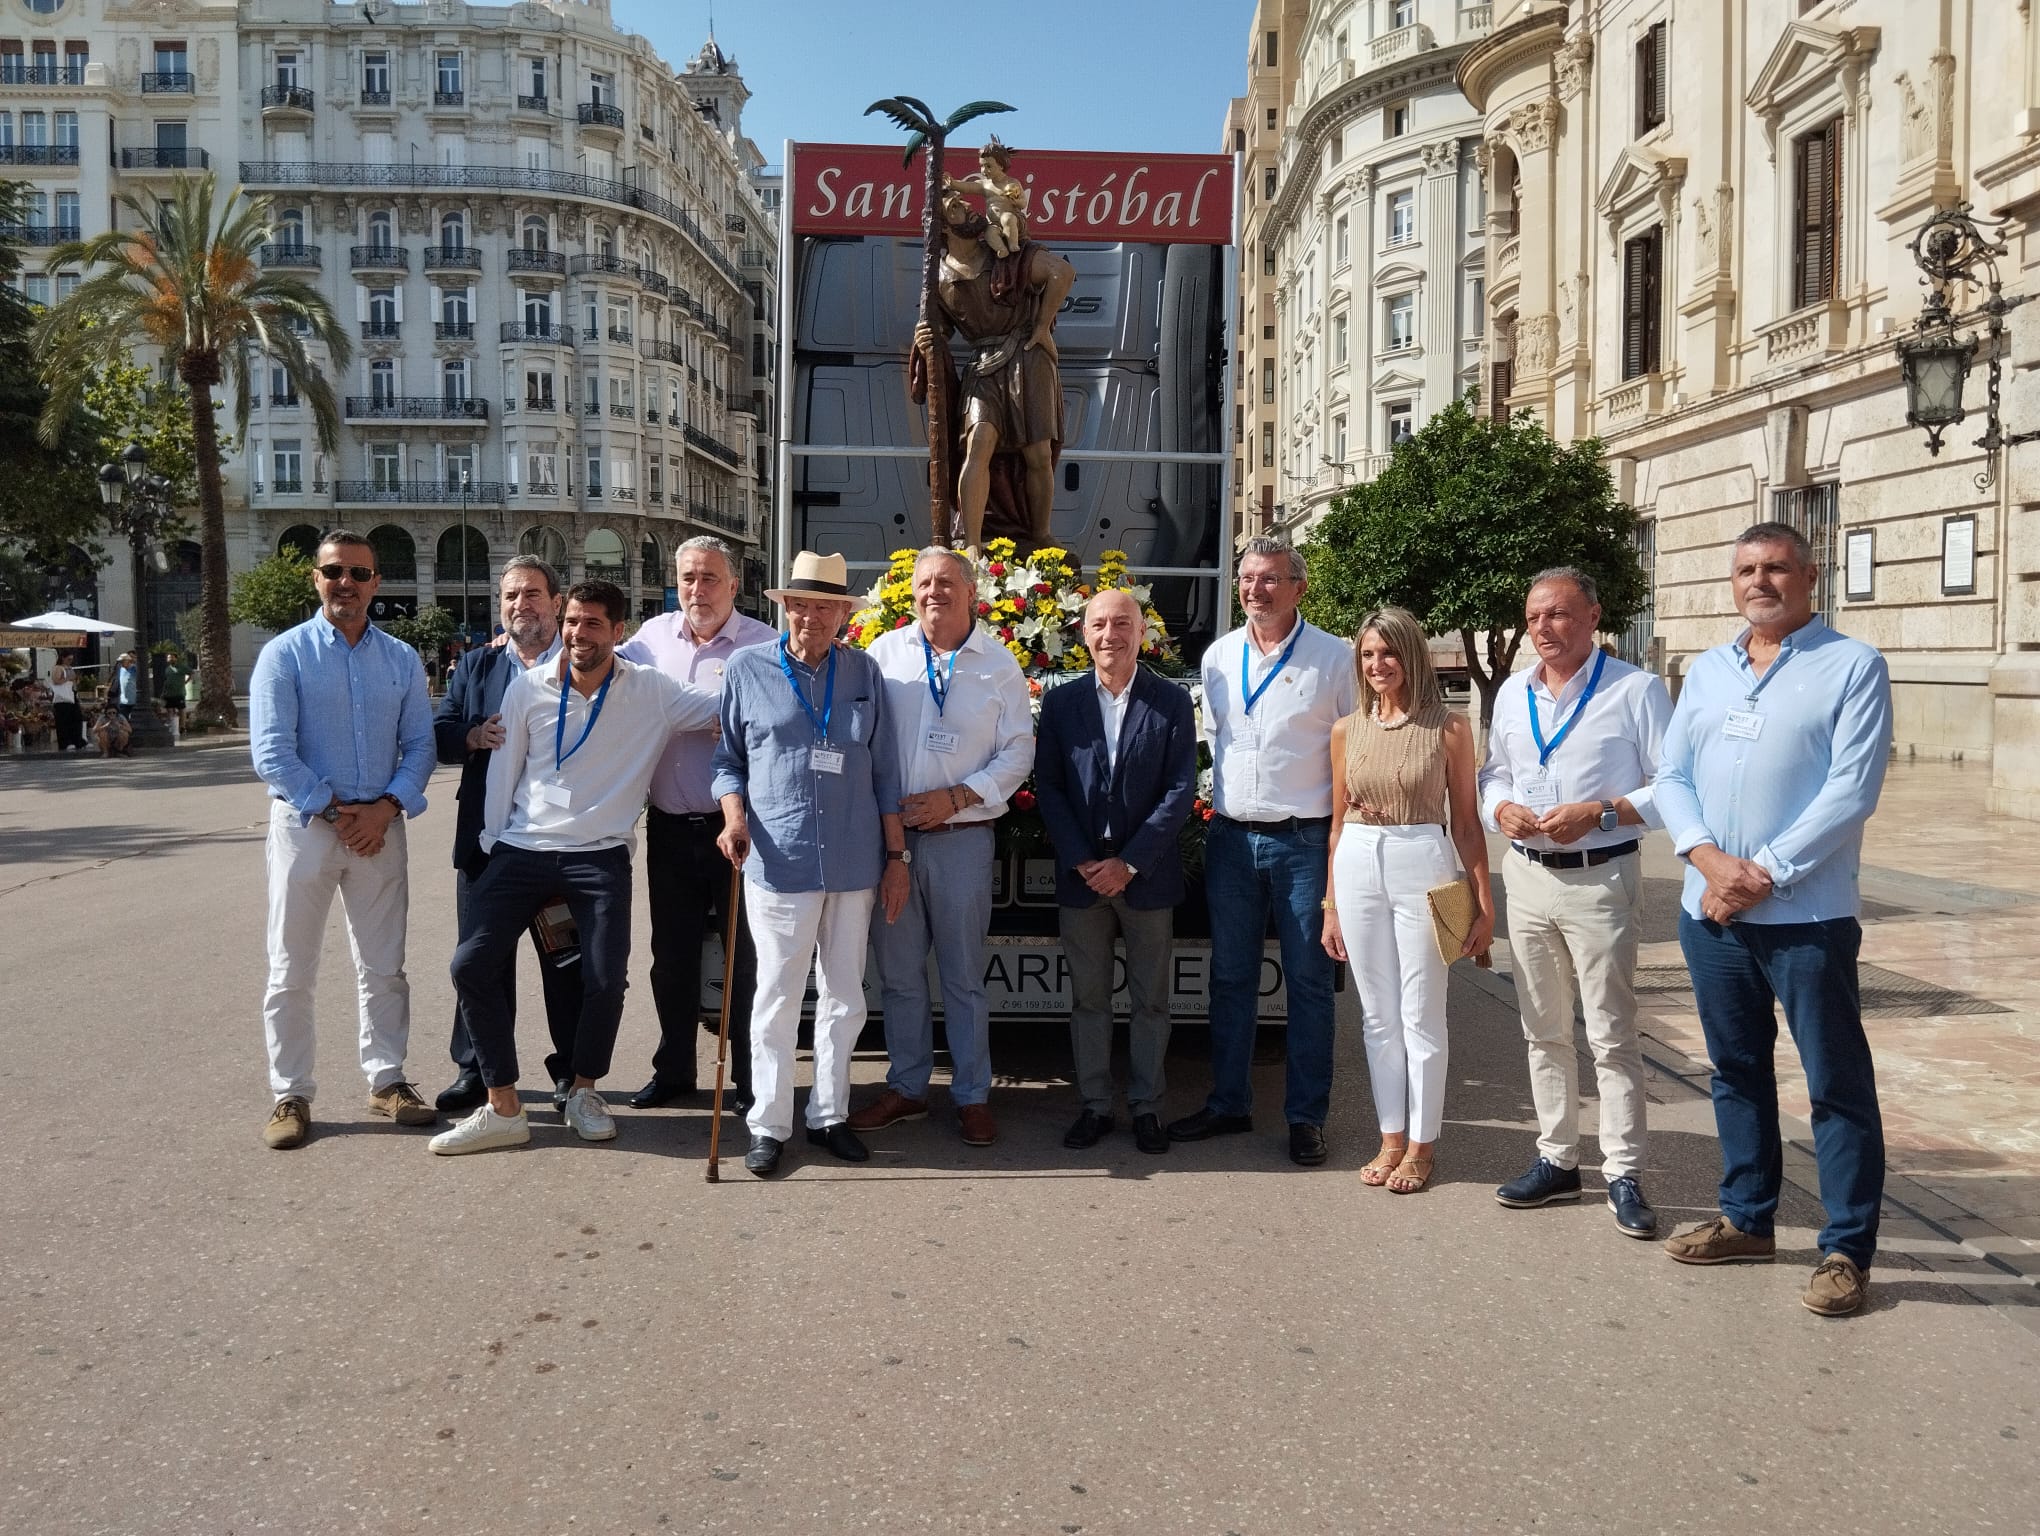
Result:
1584,859
1287,824
692,818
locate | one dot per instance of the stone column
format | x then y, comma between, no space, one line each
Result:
1442,232
1533,134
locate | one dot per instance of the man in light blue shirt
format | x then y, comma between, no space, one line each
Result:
1772,764
341,732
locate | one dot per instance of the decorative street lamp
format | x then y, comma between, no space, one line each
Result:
1956,248
466,638
142,517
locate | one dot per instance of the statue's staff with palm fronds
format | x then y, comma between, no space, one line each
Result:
925,130
188,280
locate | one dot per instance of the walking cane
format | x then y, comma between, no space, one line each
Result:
722,1034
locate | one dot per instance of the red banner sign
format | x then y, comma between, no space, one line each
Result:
862,189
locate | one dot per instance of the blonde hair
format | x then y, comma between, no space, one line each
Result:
1407,643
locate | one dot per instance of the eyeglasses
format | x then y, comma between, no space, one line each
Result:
361,573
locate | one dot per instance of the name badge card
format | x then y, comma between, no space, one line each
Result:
942,741
556,795
826,759
1540,792
1742,725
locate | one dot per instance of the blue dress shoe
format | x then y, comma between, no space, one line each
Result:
1632,1212
1544,1183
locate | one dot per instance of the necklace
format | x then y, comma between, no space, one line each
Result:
1374,714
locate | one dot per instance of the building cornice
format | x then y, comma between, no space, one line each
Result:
1500,54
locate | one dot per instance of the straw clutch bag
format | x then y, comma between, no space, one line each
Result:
1452,913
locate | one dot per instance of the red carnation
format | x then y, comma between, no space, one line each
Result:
1006,633
1207,813
997,567
1041,658
902,622
1023,799
1042,589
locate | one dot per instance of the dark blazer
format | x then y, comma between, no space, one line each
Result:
1144,800
473,693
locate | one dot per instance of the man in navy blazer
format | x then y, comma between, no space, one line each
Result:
1115,771
467,729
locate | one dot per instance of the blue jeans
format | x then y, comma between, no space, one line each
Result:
948,911
1249,873
1738,971
504,899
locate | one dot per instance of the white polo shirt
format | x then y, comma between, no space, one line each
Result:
1275,761
981,736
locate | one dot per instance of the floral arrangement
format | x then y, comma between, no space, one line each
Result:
1034,606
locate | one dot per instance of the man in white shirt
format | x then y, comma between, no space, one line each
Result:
1571,755
1273,690
961,715
580,741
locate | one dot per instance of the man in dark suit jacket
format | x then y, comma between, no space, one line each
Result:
468,729
1115,771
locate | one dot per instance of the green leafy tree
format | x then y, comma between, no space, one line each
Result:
274,595
1467,511
188,281
427,633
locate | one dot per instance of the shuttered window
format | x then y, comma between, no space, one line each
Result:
1817,214
1642,278
1651,78
1502,383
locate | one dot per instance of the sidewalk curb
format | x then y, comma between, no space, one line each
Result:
1975,1235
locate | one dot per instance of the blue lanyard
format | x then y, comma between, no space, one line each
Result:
938,691
1246,668
828,692
560,730
1544,751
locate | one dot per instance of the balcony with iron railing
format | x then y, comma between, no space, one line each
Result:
416,408
714,446
537,332
449,98
38,154
624,493
620,334
381,330
716,517
39,234
286,98
661,351
181,158
655,283
466,258
290,253
600,114
545,263
622,412
453,330
374,98
379,258
591,408
169,82
14,72
528,102
318,173
380,492
533,403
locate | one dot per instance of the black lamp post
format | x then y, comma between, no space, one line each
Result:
141,516
1955,248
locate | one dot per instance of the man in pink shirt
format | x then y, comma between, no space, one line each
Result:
687,878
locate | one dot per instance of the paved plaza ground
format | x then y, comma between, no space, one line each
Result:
202,1336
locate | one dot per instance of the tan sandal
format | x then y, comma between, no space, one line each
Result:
1386,1161
1411,1175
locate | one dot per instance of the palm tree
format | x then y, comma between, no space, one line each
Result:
188,281
923,127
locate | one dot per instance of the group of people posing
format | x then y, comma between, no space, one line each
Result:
841,802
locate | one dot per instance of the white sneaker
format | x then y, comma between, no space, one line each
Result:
589,1116
483,1131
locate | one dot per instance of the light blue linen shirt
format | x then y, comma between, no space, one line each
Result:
328,719
1794,800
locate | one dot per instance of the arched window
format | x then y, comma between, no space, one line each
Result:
604,557
301,540
446,565
605,241
652,563
290,229
382,229
549,545
453,232
536,236
396,553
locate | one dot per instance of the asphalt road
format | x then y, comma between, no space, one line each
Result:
200,1335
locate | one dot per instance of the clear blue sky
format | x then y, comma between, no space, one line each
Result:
1152,75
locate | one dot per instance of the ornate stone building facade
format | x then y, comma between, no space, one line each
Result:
1697,246
1364,248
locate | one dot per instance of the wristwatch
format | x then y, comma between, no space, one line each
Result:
901,855
331,814
393,800
1610,817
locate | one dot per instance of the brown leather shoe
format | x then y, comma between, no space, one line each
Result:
1837,1288
889,1108
979,1129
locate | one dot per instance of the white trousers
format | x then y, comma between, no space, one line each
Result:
307,864
1380,877
1573,933
830,930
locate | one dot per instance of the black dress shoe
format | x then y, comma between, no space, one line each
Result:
660,1092
464,1092
1632,1212
763,1158
1148,1134
1204,1124
841,1142
563,1087
1090,1128
1306,1144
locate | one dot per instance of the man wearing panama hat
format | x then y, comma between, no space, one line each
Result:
806,775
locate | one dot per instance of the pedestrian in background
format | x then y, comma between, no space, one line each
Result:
1571,753
111,731
64,706
125,678
1405,765
1773,762
170,693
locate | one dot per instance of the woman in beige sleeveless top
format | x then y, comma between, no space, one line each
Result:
1406,763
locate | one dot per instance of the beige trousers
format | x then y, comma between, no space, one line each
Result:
1573,933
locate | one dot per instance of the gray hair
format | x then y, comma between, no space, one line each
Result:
1589,588
1777,533
1269,545
714,545
546,573
963,565
343,536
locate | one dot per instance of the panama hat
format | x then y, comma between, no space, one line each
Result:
822,576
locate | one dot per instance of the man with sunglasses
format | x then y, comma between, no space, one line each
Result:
341,732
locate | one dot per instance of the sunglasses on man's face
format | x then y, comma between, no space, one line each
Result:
360,573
